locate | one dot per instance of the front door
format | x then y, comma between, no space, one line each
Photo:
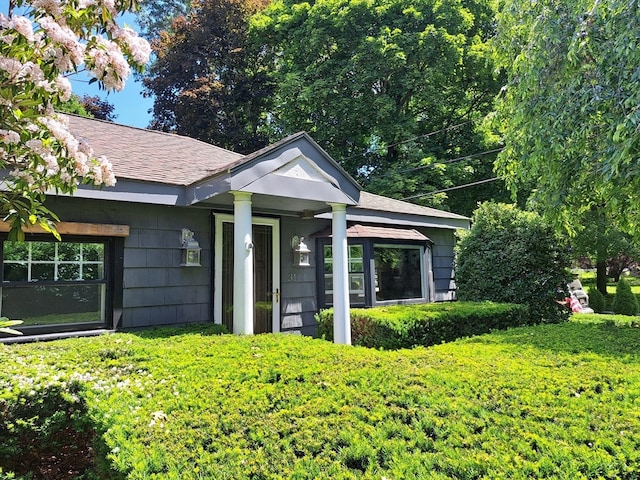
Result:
266,273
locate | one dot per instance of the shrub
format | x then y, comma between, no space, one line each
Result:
551,401
406,326
512,256
596,300
46,432
624,301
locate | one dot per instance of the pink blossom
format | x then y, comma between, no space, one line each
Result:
139,47
9,136
64,87
10,65
31,72
80,165
65,38
52,7
23,26
107,63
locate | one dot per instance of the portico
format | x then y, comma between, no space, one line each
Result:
291,179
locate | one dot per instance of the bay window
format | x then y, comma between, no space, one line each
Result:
381,271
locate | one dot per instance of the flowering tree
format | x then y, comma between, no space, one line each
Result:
39,48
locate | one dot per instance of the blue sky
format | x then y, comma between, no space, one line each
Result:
131,107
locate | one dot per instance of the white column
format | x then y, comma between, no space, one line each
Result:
242,264
341,316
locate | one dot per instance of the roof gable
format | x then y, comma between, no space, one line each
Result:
295,167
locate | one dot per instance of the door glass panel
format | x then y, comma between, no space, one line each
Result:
227,275
262,277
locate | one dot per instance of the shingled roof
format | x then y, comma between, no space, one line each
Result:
152,156
370,201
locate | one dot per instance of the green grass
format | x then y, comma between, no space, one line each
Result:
55,319
551,401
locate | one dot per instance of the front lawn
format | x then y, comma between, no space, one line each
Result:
551,401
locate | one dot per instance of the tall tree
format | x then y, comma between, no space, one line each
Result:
391,88
206,80
98,108
41,43
570,112
156,16
605,244
89,106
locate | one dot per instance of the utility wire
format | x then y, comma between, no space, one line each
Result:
453,160
487,180
426,135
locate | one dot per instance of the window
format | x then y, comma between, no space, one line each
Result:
379,273
48,283
357,290
399,272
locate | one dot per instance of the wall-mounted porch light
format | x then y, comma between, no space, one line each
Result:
301,253
190,249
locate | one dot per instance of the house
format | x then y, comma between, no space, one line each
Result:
195,233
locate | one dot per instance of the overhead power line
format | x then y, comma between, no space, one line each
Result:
453,160
430,134
412,139
487,180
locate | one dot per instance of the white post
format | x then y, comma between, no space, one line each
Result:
242,264
341,316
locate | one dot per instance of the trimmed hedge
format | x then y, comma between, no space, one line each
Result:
512,255
407,326
546,402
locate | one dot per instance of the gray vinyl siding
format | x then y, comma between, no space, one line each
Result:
298,284
156,290
442,256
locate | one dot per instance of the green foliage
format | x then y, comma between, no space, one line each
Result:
393,90
510,255
596,300
551,401
206,79
624,301
569,110
75,106
407,326
47,424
